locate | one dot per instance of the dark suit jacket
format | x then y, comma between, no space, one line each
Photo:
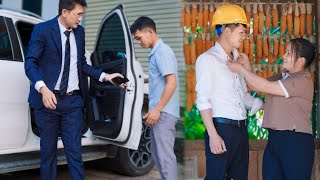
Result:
44,59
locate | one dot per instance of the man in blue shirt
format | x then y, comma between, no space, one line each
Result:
163,96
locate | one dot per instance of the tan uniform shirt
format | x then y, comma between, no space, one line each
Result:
293,111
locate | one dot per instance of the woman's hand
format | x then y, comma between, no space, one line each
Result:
235,66
243,59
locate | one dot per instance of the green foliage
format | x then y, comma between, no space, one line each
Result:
193,125
255,131
314,112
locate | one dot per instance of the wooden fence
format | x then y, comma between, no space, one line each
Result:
196,148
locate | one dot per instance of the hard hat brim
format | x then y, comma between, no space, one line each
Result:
247,24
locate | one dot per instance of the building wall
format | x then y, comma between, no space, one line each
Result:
14,4
165,13
49,7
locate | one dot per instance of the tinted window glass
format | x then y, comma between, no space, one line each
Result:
25,30
111,45
32,6
5,44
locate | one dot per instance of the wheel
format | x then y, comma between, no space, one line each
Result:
135,162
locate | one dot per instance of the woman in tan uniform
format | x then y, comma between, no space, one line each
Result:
290,150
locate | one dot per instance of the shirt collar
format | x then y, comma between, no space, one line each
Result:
299,73
220,50
155,47
285,75
62,28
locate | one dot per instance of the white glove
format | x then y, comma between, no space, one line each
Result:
251,103
248,100
256,105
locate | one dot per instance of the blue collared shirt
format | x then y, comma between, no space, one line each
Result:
162,62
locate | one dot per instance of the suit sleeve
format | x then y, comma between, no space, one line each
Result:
36,48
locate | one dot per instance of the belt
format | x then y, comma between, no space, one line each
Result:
71,93
230,121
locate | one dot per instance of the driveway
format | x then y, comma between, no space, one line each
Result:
90,172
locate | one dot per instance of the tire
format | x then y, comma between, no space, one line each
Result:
135,162
130,162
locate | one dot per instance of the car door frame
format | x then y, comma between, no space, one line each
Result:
129,135
14,93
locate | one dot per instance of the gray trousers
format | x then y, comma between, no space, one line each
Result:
162,142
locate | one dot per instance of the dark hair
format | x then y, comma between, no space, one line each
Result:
70,4
303,48
141,23
220,27
234,25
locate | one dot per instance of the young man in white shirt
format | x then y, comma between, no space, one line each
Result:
222,98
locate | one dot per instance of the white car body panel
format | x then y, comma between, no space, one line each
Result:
13,105
14,108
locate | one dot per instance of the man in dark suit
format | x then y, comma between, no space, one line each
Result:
56,65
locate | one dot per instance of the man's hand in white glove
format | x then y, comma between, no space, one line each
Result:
251,103
256,105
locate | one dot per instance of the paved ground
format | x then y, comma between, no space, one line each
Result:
90,172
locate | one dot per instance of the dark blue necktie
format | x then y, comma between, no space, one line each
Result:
66,68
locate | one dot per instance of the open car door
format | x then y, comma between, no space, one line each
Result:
116,112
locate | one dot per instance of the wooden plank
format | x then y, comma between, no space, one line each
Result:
253,166
257,145
260,159
316,166
196,148
194,145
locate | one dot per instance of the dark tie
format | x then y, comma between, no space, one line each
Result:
66,68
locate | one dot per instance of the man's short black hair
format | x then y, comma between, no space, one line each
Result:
141,23
70,4
220,27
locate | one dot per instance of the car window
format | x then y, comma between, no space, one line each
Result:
5,43
111,45
24,31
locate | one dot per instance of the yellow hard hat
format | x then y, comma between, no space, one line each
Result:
229,14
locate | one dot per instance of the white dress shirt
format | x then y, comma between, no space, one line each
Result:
73,82
217,87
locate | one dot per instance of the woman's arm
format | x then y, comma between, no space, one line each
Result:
258,84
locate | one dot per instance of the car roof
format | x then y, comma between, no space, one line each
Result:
20,14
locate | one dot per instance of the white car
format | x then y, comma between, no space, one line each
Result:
113,128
